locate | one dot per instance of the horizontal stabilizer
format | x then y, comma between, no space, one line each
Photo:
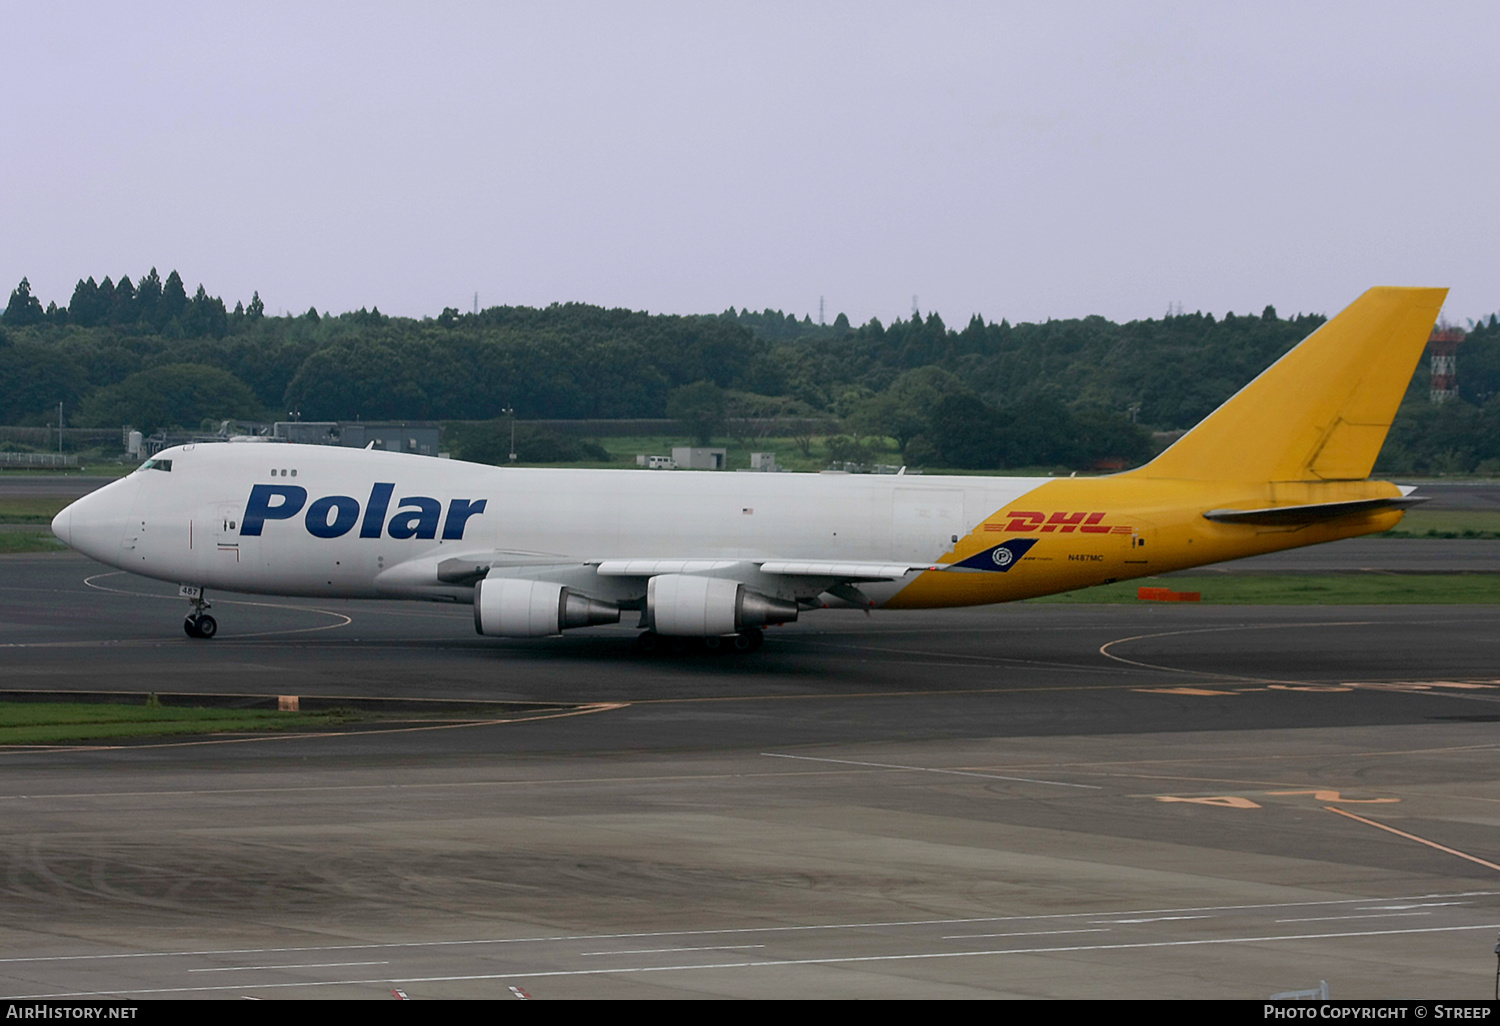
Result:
1312,513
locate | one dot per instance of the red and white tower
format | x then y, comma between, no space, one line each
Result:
1444,348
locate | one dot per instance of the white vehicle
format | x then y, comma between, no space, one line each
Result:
719,556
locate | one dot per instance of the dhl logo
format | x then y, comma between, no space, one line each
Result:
1064,523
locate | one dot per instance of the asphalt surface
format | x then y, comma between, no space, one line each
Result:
1028,801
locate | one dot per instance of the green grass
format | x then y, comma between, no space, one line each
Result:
1304,590
30,509
41,540
34,723
1448,523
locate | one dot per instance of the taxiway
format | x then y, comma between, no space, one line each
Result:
1030,801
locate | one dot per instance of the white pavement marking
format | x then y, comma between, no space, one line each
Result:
1104,649
928,769
773,963
1030,933
306,965
1377,915
877,924
658,951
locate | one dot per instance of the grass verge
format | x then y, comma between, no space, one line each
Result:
40,540
38,723
1447,523
37,510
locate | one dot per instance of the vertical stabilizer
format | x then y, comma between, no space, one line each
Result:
1321,412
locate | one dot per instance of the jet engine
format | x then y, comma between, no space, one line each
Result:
682,605
508,607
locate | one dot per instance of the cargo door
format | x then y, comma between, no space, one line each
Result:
925,521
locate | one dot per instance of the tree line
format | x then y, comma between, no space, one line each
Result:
1081,393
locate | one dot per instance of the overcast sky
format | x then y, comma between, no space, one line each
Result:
1020,160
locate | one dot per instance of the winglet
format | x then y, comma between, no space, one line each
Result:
1322,411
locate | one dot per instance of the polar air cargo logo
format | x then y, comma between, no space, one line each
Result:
1001,557
334,516
1063,523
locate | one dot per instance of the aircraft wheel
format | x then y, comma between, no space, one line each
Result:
648,642
713,645
190,627
207,626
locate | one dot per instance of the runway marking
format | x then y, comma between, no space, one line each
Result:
1272,757
928,769
835,696
724,932
960,658
1286,685
1334,796
307,735
1238,802
777,963
1183,691
89,581
1418,686
657,951
1153,919
1414,837
1104,649
1378,915
306,965
1425,904
1029,933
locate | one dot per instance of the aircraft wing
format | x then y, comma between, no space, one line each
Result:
786,567
465,570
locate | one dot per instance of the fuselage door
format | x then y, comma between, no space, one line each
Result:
1143,548
217,535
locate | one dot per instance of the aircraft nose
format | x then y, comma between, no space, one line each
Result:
95,524
61,523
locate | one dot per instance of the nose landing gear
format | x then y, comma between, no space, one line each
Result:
198,623
203,626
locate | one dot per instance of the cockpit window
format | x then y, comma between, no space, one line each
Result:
157,465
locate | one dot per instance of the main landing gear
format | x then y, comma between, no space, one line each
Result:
198,623
747,640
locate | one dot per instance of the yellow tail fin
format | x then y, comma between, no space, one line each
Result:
1322,411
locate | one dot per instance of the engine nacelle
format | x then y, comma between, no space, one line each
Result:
684,605
509,607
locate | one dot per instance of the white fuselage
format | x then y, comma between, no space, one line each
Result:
249,518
